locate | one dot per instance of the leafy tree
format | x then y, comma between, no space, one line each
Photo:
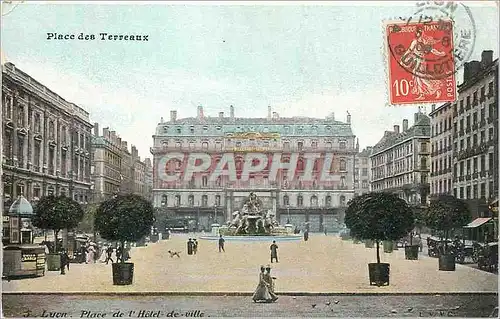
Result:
86,225
56,213
124,218
446,213
379,216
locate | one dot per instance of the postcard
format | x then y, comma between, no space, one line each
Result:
192,159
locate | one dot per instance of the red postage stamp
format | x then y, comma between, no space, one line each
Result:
421,65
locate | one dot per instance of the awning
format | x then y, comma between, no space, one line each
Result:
477,222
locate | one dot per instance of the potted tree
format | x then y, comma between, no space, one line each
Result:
379,216
445,214
124,218
56,213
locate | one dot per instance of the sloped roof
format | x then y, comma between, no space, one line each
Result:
390,138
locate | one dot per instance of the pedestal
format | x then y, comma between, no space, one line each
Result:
289,228
215,229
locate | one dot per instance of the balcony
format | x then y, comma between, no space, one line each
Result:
468,177
467,129
475,102
475,175
449,148
461,178
491,119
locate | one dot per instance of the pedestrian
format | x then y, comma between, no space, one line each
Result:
195,246
221,244
306,235
119,253
190,246
64,261
109,252
262,291
274,251
270,282
324,229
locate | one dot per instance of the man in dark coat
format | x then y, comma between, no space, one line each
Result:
190,246
221,244
306,235
64,261
274,251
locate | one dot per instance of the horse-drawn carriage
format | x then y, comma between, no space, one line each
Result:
464,251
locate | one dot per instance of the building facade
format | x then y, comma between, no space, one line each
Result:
400,161
475,132
293,143
115,169
46,141
441,179
362,171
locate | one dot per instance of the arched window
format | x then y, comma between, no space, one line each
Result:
204,181
286,200
204,200
217,200
177,200
300,201
300,145
329,145
328,201
343,166
314,201
342,145
342,200
178,144
300,165
191,200
204,145
286,145
164,200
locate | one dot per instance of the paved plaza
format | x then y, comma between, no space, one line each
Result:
324,264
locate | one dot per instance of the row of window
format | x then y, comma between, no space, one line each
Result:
195,129
474,165
473,141
466,122
397,152
475,100
474,191
252,143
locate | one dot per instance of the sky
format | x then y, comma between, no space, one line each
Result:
301,59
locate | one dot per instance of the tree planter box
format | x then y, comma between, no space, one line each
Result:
379,274
123,273
447,262
388,246
411,252
53,262
369,243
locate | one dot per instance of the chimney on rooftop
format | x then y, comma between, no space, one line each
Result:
105,132
200,112
486,58
96,129
173,116
119,141
231,111
396,129
221,115
124,145
348,118
269,112
113,137
405,125
161,120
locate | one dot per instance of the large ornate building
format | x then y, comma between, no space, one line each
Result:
116,170
400,161
441,150
475,132
46,141
285,150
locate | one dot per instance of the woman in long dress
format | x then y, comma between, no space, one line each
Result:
261,293
270,283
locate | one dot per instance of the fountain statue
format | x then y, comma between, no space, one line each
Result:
253,220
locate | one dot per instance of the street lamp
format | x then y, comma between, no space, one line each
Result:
288,212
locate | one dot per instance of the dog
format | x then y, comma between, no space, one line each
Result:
174,253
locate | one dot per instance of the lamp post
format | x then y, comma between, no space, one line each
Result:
288,213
